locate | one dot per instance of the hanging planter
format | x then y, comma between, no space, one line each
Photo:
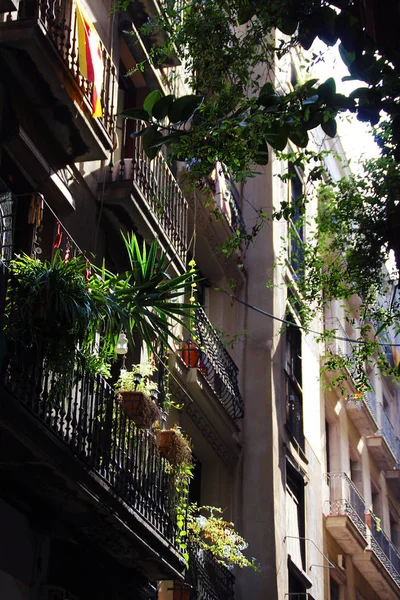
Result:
174,446
139,408
137,395
190,354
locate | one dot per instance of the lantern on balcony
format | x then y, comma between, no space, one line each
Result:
122,344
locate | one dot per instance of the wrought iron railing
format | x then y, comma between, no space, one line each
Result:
209,579
159,188
386,429
83,412
369,399
58,18
345,499
384,549
218,367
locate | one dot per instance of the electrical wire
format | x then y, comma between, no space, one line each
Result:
292,324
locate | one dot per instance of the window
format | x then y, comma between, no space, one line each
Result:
294,395
295,520
296,223
334,589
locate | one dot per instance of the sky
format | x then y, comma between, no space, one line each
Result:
355,136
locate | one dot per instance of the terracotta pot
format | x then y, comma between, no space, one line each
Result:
190,353
138,407
172,446
181,590
166,441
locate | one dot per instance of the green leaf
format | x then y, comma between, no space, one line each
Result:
162,106
148,140
183,108
135,113
151,100
262,155
330,127
347,57
245,13
140,132
299,137
288,24
327,90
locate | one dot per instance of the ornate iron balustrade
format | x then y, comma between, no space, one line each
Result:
159,188
384,549
209,579
386,430
345,499
218,367
369,400
83,412
58,17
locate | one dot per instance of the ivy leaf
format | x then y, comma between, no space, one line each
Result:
135,113
151,100
183,108
162,106
330,127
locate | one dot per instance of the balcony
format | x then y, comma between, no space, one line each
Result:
88,464
149,194
357,534
363,413
383,445
384,549
208,579
39,47
217,367
345,517
217,218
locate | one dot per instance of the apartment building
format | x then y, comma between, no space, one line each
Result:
302,472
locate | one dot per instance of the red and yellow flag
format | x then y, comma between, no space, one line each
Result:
90,57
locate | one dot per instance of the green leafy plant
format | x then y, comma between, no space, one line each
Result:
209,531
176,448
137,394
52,309
129,381
57,309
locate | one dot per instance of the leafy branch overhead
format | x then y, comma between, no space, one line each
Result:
234,115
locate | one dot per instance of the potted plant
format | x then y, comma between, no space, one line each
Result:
53,313
174,446
138,394
190,353
208,531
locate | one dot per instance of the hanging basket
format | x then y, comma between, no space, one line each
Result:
138,407
190,354
173,446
